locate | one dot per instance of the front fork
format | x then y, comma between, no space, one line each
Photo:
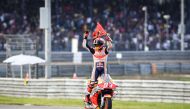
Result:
103,99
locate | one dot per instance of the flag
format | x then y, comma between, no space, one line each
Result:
99,30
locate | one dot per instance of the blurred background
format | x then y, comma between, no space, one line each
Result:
150,37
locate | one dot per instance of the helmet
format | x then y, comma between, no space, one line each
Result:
99,42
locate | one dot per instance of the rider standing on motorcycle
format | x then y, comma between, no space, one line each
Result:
100,53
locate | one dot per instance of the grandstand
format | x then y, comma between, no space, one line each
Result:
123,19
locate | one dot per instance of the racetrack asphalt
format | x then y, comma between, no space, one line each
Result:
36,107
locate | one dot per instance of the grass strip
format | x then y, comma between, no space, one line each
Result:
79,103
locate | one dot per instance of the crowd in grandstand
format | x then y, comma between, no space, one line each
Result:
123,19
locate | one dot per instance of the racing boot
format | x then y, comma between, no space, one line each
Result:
94,100
88,92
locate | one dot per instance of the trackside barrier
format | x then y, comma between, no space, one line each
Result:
130,90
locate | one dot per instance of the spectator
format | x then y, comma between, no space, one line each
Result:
124,20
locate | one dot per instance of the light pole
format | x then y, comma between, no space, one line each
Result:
48,40
45,23
167,17
182,26
145,27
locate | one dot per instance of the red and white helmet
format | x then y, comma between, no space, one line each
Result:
99,42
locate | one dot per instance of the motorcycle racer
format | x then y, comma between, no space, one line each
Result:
100,53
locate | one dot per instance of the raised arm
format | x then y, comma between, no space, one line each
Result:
85,43
109,42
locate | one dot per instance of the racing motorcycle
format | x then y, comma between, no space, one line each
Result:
105,89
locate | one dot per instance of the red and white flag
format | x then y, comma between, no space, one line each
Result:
99,31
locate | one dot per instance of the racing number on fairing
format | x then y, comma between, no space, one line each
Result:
107,85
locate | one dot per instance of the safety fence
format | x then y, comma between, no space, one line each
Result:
113,56
130,90
119,64
114,69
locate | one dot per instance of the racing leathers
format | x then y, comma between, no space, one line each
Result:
99,58
99,66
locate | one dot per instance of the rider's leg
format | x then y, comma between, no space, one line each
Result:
90,86
94,97
94,100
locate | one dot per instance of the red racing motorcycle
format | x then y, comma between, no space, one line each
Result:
104,92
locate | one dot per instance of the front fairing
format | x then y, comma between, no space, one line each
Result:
106,82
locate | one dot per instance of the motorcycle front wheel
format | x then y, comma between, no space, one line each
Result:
107,103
